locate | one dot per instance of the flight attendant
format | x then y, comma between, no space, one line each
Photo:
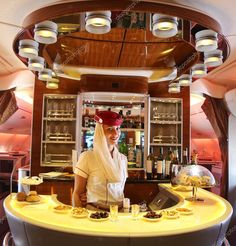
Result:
100,174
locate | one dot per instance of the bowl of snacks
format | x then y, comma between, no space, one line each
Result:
62,209
99,216
184,211
170,214
152,216
79,212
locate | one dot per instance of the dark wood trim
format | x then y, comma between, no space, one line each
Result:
58,10
131,84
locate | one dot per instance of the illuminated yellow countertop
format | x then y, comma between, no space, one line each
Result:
213,210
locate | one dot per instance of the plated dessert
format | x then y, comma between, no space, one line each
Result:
79,212
152,216
99,216
62,209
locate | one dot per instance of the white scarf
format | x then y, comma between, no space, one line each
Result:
113,168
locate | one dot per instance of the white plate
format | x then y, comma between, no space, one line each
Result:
29,203
152,220
62,211
189,212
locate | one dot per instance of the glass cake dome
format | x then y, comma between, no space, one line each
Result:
195,175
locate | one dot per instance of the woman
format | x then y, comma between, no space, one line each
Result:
101,173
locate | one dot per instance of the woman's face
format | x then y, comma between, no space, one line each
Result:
112,134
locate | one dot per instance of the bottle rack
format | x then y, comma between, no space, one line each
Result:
58,129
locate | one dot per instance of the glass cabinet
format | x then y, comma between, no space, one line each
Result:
58,129
165,121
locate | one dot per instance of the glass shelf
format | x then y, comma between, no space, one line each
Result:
58,129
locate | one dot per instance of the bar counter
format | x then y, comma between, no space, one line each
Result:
38,224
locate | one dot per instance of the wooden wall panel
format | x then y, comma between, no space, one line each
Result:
129,84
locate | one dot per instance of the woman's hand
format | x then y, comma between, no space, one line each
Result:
83,199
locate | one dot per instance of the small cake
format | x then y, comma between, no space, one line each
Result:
21,196
33,198
33,193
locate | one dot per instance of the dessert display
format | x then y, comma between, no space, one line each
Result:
32,197
195,175
192,176
184,211
170,214
79,212
62,209
152,216
99,216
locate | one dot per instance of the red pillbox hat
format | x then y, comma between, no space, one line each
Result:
109,118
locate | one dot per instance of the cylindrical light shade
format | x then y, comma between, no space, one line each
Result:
185,80
164,26
36,64
52,83
45,74
206,40
213,58
28,48
174,88
98,22
46,32
199,70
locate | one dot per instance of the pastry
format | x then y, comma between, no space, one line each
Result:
33,198
33,193
21,196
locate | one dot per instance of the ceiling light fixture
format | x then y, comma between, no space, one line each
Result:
206,40
199,70
52,83
28,48
174,88
46,32
45,74
213,58
164,26
98,22
185,80
36,64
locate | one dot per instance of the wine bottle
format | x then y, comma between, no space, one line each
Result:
138,156
149,164
131,153
160,164
185,157
168,160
